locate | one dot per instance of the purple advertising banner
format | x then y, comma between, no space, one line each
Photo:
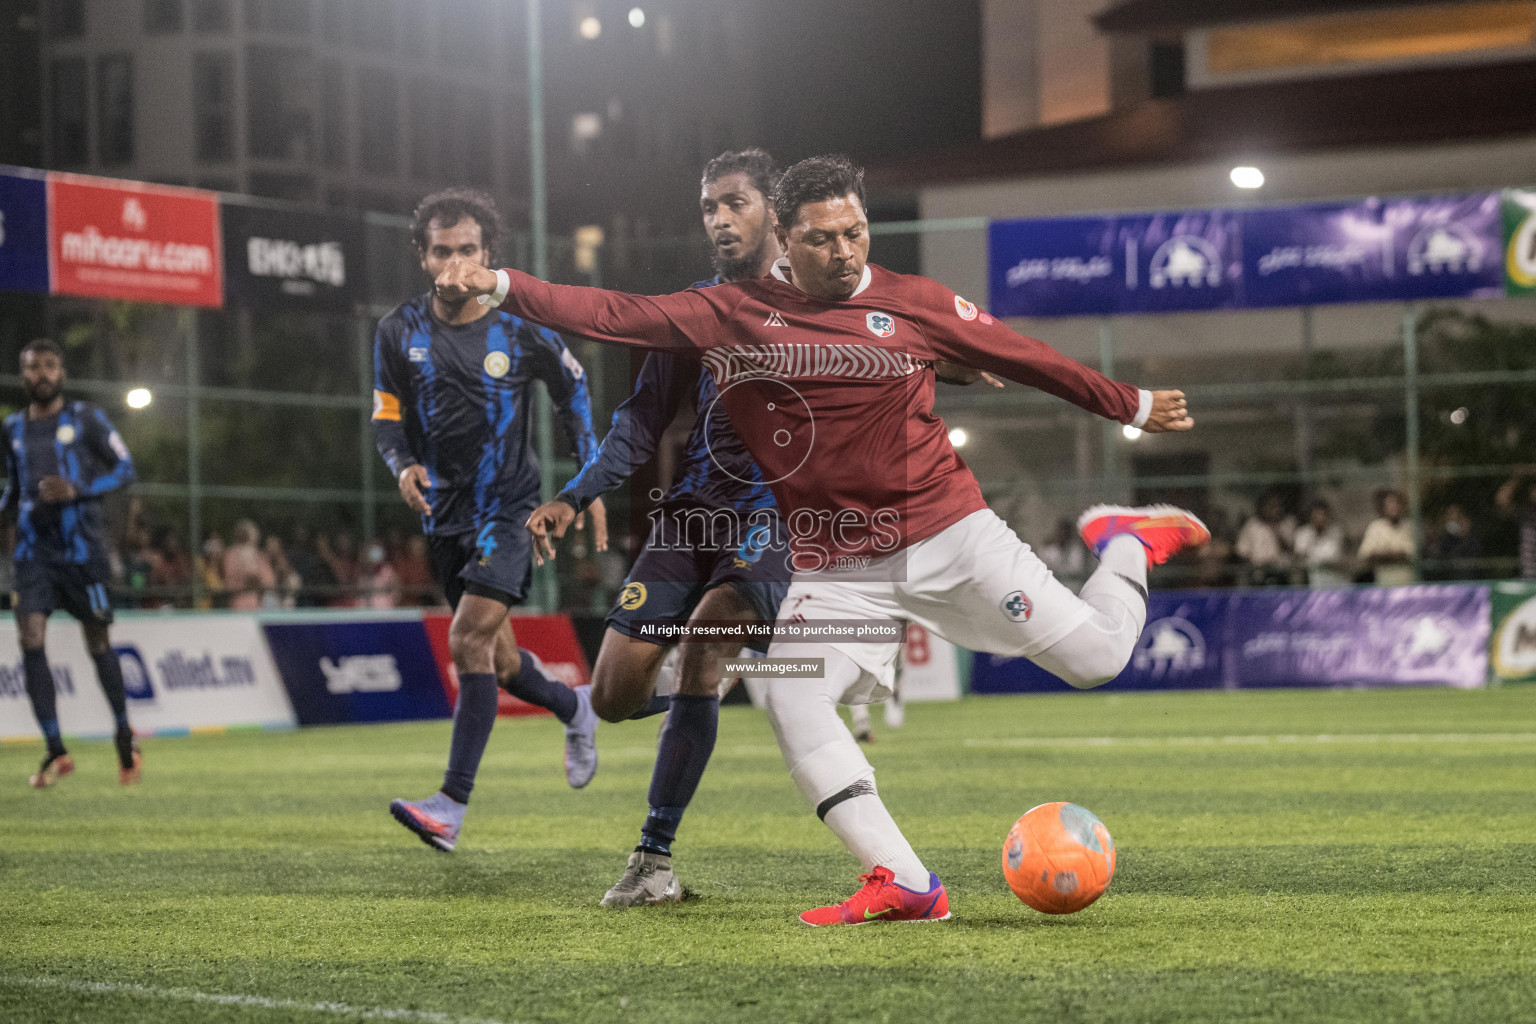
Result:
1371,250
1160,262
1426,635
1374,250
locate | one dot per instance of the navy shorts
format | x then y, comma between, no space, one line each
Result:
496,562
81,590
693,550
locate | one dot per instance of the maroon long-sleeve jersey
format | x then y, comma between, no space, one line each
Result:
834,399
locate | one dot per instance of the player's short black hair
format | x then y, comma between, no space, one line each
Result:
452,205
814,180
755,163
43,345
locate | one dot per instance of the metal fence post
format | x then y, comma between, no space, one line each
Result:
188,325
1411,411
365,426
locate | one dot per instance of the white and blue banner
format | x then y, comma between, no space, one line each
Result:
184,673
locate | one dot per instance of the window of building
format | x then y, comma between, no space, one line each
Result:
162,17
114,106
427,112
375,26
213,99
70,111
334,129
378,110
1167,67
478,162
212,15
279,90
296,188
1410,34
285,17
66,18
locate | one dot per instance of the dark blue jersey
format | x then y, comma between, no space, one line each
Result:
80,445
716,471
458,400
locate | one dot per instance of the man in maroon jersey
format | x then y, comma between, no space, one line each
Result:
826,371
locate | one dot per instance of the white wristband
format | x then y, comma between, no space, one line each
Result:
497,297
1143,409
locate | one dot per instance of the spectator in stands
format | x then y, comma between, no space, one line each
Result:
1065,554
138,566
285,591
1516,499
1453,543
378,586
315,579
210,571
1213,565
413,570
1264,542
1320,548
1388,547
247,573
172,574
340,554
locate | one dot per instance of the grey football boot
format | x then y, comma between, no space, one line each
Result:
648,878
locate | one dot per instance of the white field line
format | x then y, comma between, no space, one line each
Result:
253,1002
1218,741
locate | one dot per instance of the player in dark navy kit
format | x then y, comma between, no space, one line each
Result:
61,458
716,551
452,417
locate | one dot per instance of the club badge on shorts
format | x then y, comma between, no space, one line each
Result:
1017,606
632,596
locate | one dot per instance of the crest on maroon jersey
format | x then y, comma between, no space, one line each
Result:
881,325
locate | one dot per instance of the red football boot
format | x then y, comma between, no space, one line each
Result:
1164,530
53,769
882,899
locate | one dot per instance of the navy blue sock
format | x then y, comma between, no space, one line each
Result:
110,671
44,701
472,721
686,744
658,704
535,687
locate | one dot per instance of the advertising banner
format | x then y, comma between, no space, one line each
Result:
1146,263
1512,649
1519,212
379,669
551,637
127,240
185,673
1373,636
1181,648
278,258
23,234
1425,635
1372,250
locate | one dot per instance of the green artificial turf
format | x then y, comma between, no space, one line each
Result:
1304,856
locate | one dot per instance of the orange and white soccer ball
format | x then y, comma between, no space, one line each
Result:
1058,858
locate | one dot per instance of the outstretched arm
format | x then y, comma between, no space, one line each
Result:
962,333
638,424
680,321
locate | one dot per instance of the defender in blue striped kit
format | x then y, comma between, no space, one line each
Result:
61,457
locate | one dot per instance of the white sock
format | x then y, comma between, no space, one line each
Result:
1121,578
871,834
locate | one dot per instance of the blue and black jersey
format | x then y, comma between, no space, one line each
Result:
80,445
457,400
716,470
